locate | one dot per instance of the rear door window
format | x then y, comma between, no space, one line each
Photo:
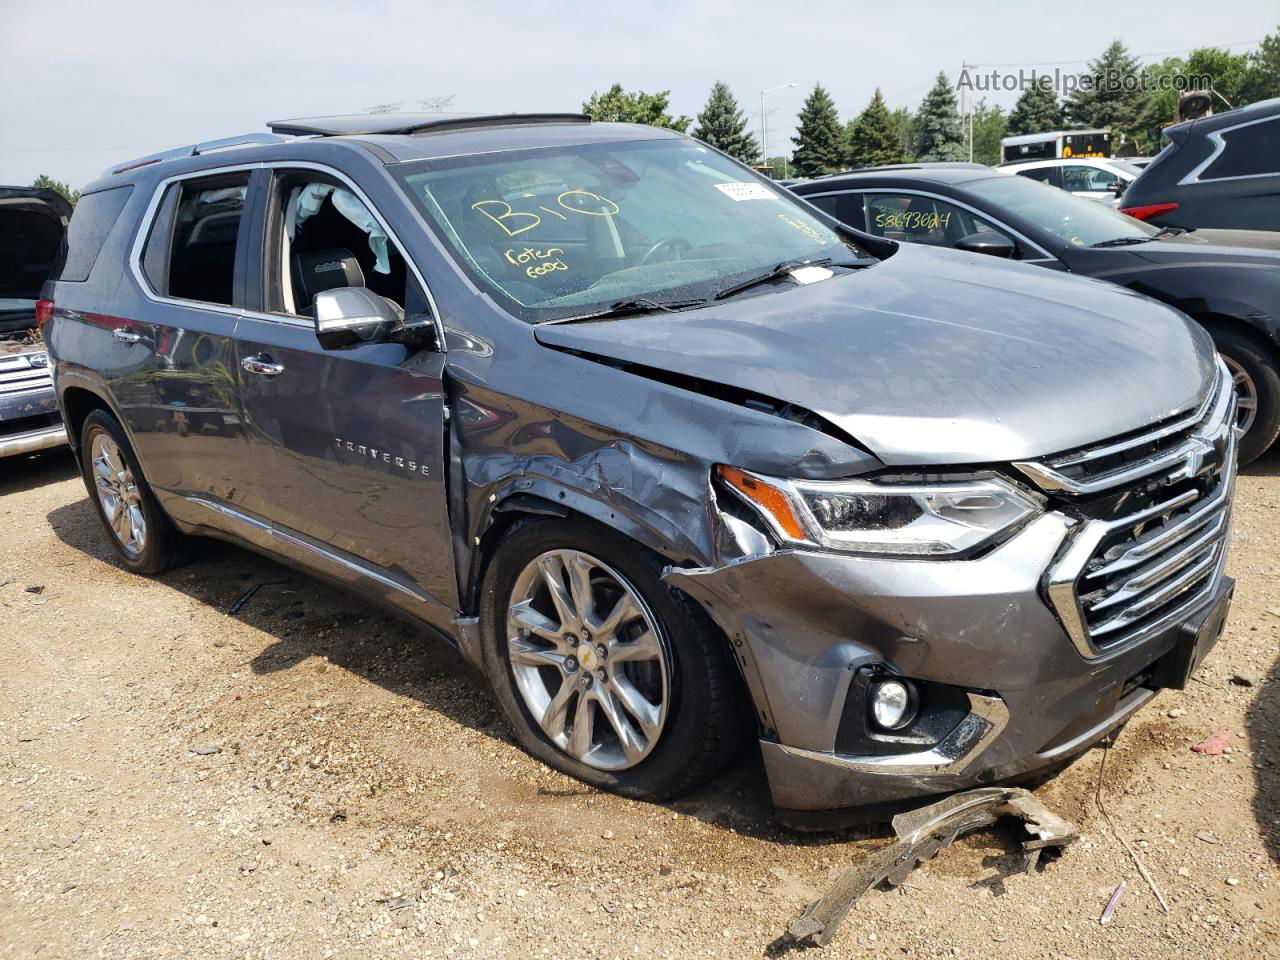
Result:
1252,151
192,252
95,214
845,207
1049,175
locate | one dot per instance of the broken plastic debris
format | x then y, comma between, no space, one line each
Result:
1215,743
1112,904
921,834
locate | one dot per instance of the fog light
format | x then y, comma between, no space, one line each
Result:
892,704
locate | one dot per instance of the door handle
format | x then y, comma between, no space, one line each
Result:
262,365
125,335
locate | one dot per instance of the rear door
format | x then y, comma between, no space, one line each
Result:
182,405
346,446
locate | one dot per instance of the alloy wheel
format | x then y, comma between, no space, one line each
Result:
1246,394
119,495
589,659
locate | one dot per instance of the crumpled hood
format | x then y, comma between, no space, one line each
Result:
935,357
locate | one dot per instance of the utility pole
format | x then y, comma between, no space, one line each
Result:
965,111
764,124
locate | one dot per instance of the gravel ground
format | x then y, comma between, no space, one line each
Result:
310,778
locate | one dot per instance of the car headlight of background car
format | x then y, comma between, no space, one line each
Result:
936,519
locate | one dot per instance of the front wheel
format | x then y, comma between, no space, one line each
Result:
1257,385
604,672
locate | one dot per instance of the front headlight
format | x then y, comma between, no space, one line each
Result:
903,519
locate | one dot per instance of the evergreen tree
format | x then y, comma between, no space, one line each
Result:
873,138
819,139
724,126
1262,79
989,124
904,129
44,181
1107,97
937,126
1037,111
623,106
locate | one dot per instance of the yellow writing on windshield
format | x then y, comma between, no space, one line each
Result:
515,222
806,229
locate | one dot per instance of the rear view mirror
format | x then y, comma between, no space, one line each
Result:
346,316
988,242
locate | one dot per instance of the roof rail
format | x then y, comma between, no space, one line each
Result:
191,150
370,124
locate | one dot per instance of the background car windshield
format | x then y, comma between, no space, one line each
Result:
562,232
1076,220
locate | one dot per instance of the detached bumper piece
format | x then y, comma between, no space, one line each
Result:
921,834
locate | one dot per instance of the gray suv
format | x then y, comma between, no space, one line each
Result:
675,459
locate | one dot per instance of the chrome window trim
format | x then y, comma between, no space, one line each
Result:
1219,145
153,206
1047,258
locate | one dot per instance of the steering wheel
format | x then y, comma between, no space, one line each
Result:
676,247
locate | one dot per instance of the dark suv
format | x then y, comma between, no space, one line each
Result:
1222,170
675,459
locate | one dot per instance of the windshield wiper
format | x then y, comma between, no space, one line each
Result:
784,269
631,305
1122,241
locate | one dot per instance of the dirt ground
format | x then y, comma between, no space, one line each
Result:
310,778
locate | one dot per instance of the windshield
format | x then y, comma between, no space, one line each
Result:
1076,220
558,232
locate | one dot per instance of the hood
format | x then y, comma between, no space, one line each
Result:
1221,242
935,357
32,226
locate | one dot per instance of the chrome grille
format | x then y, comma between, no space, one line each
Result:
24,372
1123,577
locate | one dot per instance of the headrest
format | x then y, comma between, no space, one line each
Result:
327,270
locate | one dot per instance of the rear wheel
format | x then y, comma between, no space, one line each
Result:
1257,385
605,672
143,536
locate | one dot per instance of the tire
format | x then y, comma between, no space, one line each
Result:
706,721
150,547
1246,357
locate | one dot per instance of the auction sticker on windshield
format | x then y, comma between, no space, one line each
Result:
746,191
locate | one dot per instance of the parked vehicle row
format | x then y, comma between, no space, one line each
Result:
33,223
1227,280
675,458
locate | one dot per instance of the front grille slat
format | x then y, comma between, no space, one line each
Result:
1154,543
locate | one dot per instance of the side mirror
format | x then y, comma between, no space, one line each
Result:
1118,186
988,242
346,316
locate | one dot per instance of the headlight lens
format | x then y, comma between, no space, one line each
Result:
903,519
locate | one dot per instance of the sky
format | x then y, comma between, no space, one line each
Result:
88,84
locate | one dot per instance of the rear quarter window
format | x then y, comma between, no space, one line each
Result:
91,222
1251,151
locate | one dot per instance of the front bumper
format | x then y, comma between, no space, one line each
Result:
803,624
31,441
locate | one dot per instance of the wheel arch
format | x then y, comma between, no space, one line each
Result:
78,401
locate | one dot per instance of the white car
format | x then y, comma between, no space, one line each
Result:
1095,178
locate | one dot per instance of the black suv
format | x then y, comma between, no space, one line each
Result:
676,459
1221,170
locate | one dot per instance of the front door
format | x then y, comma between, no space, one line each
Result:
348,445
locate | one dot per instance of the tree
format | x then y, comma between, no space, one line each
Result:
989,124
46,182
1262,78
621,106
1037,111
1109,94
819,139
723,125
873,139
904,129
937,125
